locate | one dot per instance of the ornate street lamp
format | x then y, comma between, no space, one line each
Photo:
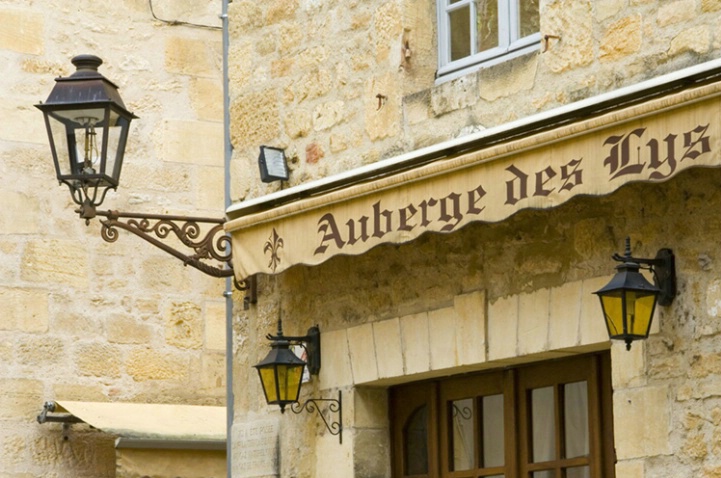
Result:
629,300
87,125
281,375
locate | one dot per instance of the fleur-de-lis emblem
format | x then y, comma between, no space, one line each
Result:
272,245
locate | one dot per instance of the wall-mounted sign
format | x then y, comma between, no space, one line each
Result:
649,142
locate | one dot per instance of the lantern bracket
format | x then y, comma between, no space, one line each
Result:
663,268
334,406
188,230
310,342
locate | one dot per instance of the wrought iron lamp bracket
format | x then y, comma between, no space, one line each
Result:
334,406
214,245
663,268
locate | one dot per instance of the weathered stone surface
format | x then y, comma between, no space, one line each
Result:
25,310
256,119
148,364
184,325
97,359
20,398
695,40
571,20
621,39
22,31
676,12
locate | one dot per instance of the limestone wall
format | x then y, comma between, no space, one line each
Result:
83,319
493,295
306,74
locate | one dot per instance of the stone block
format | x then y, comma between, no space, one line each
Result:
21,213
370,407
630,469
642,422
628,366
192,56
695,40
215,325
384,121
388,31
210,189
415,343
206,96
387,337
621,39
470,327
592,324
24,310
22,31
193,142
442,338
371,453
362,353
298,123
279,10
79,392
184,325
333,459
565,312
212,376
256,119
710,5
335,371
157,273
607,8
675,12
533,321
55,262
326,115
122,329
503,328
508,79
572,21
456,94
21,399
97,359
39,350
150,364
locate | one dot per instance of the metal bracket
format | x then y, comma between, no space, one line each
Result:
663,268
155,228
334,406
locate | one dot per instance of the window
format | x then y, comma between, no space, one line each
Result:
471,32
547,420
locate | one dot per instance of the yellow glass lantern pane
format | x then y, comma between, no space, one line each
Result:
289,378
267,378
639,309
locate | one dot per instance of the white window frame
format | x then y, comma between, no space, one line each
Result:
509,43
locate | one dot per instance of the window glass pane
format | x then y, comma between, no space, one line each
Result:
460,21
578,472
543,474
416,443
487,24
493,447
576,419
529,18
462,418
543,427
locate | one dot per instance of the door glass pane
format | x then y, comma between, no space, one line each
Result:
576,419
487,24
529,18
493,447
415,443
462,418
543,427
460,21
543,474
578,472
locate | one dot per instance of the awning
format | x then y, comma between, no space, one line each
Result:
158,440
651,141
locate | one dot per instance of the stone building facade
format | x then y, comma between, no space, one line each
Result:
84,320
351,92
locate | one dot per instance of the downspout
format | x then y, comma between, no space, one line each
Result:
228,294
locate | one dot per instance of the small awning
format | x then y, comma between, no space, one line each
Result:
657,133
163,441
144,425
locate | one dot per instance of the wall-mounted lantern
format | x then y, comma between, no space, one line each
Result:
273,165
87,125
281,375
629,300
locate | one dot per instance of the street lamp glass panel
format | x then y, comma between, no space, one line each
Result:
628,312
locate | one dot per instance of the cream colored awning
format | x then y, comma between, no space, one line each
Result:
157,422
651,142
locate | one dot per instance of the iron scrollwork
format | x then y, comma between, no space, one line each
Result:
334,406
215,245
